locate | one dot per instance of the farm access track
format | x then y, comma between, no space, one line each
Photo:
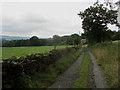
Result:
96,77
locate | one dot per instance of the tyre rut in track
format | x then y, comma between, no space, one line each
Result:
96,76
97,79
68,77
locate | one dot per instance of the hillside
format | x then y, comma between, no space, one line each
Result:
12,37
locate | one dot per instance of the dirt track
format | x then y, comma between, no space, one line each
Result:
66,79
98,80
96,77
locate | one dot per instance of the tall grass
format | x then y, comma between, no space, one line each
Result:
0,53
47,78
82,80
107,57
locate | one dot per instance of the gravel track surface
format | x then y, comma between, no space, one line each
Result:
68,77
96,76
98,80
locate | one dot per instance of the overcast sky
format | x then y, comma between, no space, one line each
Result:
43,19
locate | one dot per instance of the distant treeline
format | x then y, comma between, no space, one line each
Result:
73,39
108,35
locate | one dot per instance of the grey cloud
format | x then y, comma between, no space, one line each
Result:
33,19
38,26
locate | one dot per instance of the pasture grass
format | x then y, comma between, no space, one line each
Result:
47,78
0,53
83,74
107,55
21,51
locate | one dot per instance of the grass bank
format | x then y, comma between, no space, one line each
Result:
0,53
46,79
107,56
21,51
83,78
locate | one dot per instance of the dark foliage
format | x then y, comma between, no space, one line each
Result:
95,21
35,41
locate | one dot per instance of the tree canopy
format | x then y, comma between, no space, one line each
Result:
95,21
35,41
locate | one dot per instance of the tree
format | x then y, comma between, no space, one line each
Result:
42,42
116,36
34,41
66,40
75,39
109,35
56,40
95,21
49,42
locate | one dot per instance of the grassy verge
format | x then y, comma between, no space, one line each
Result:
0,53
107,57
46,79
21,51
82,81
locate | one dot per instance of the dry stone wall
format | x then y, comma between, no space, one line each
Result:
12,68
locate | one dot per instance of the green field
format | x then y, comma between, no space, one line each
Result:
46,79
21,51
